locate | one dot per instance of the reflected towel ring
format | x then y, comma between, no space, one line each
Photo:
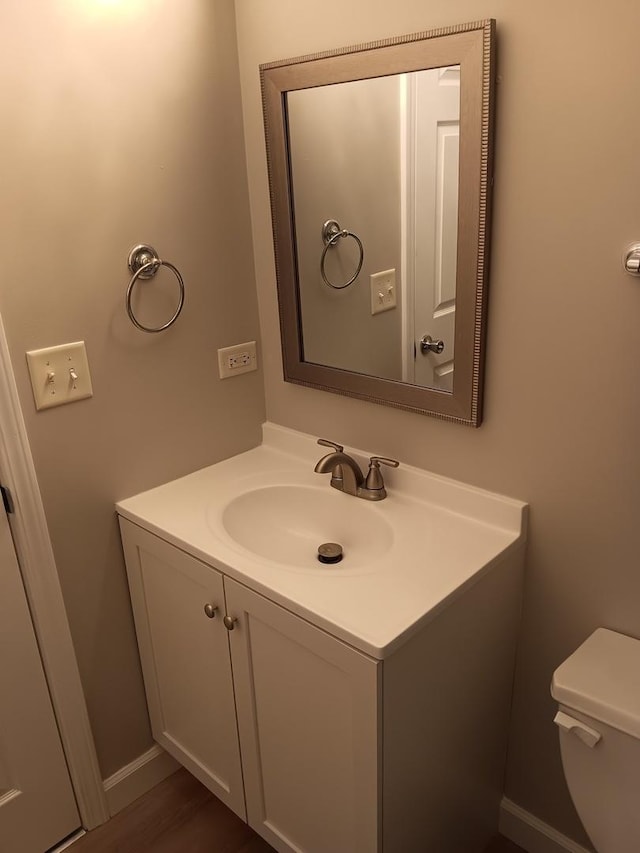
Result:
145,263
331,233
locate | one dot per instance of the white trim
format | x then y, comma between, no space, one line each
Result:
407,221
37,564
135,779
531,833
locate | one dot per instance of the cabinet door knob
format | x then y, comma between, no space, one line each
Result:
229,622
210,610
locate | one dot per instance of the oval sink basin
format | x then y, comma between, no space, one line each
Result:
287,523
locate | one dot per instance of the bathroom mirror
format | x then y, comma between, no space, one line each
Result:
380,159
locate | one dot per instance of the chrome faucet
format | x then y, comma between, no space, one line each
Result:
347,477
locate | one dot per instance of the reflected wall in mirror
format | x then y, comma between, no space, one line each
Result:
379,166
379,156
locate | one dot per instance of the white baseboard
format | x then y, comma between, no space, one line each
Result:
532,834
138,777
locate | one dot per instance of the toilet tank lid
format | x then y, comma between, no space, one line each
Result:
602,679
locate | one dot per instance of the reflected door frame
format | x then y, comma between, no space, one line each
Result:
42,585
430,211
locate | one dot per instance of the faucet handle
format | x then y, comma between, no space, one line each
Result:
326,443
376,461
374,477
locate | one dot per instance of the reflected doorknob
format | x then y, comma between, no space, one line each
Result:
632,259
427,344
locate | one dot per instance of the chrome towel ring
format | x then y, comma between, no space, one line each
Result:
331,233
144,263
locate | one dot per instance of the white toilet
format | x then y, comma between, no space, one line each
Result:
598,691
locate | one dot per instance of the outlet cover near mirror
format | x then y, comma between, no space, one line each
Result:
59,375
240,358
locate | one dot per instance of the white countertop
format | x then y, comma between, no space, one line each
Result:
445,536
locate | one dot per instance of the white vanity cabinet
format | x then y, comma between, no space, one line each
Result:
361,707
185,660
274,701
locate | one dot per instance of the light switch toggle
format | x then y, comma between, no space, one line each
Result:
383,291
49,369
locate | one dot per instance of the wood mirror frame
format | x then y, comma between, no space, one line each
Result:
471,46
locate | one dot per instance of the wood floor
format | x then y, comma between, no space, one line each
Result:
180,816
503,845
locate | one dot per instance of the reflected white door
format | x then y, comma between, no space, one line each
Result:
37,805
435,102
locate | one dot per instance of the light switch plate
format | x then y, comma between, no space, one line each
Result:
241,358
383,291
59,374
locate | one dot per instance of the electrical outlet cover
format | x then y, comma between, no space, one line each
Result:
240,358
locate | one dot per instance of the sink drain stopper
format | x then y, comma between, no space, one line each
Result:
330,552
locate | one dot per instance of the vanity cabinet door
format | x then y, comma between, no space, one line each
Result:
309,729
185,660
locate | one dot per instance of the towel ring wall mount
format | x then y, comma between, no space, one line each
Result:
144,262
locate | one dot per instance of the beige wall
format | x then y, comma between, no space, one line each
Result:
346,166
122,124
562,384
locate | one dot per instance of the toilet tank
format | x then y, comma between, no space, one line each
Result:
598,691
